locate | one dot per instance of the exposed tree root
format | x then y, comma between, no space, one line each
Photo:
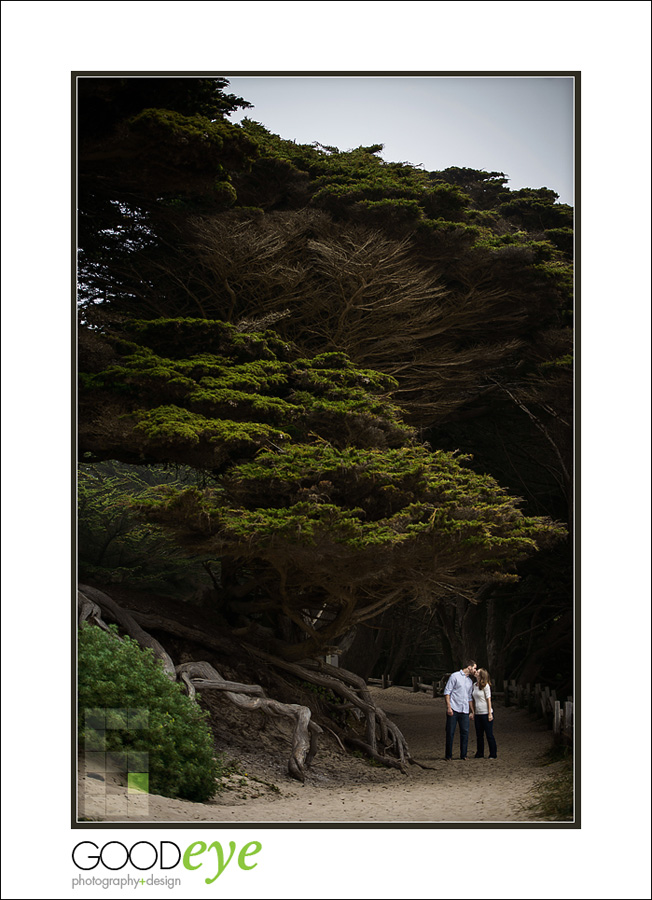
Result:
252,697
393,750
383,740
92,603
177,629
385,760
128,624
90,612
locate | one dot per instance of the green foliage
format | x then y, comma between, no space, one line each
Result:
564,361
238,398
151,151
125,687
116,547
388,213
316,479
553,796
359,182
316,508
482,187
562,238
193,141
105,102
447,281
446,201
324,693
333,702
536,210
177,428
358,754
175,143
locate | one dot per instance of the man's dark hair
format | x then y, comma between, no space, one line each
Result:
469,662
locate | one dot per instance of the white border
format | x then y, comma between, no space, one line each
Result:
609,44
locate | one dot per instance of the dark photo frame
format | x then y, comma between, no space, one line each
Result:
483,278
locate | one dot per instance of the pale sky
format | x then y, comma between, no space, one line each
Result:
522,126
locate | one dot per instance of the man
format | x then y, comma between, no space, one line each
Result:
458,695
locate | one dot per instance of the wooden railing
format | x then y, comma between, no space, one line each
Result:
542,702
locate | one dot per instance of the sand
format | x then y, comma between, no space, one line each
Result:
347,789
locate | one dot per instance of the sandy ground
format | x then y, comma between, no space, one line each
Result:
346,789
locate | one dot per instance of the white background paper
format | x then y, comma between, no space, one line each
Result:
609,44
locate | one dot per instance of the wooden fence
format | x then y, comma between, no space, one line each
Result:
541,701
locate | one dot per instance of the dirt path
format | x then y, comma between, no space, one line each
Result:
347,791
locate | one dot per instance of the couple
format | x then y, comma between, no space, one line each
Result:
466,700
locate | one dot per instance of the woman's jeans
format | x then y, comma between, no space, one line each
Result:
451,722
484,726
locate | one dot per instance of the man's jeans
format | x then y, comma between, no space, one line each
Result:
451,723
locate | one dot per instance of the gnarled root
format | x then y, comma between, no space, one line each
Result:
128,624
252,697
92,603
90,612
383,739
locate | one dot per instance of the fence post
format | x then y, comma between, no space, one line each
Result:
384,681
506,693
415,684
530,699
545,697
520,696
556,718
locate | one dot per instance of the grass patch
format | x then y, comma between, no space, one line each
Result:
369,760
234,778
552,796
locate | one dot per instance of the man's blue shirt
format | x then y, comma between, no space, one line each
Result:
460,687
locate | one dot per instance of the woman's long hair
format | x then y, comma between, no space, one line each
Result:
483,679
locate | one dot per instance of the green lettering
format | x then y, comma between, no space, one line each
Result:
244,853
221,865
191,852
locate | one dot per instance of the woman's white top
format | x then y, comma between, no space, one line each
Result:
480,698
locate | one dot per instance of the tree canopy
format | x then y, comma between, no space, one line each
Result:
339,374
319,494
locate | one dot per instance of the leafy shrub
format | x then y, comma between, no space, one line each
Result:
121,681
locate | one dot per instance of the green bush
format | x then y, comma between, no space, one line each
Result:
114,547
120,682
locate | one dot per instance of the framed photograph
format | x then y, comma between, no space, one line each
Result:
326,353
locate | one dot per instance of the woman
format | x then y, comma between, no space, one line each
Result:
484,715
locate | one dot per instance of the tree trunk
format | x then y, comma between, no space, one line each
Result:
364,652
